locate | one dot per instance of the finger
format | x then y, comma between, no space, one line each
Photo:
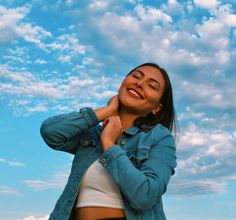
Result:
118,122
105,122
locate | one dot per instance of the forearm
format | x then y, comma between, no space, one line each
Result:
144,187
103,113
61,129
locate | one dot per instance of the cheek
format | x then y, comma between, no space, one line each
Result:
121,92
154,99
121,89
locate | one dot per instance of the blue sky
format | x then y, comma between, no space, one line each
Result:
57,56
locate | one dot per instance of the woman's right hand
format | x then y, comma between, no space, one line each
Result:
110,109
113,104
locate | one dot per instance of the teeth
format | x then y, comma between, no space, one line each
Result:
135,93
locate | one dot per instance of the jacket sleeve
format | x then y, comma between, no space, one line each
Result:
143,187
63,132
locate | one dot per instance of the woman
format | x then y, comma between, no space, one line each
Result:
121,169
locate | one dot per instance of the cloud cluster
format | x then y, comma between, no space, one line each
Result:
13,26
74,91
73,71
205,162
145,32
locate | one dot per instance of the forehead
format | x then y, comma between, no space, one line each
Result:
152,72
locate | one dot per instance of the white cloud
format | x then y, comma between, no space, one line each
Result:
41,61
230,20
69,2
209,4
173,8
25,83
14,59
205,162
191,188
69,47
15,164
33,94
46,217
194,138
5,190
57,181
105,95
141,34
151,15
37,108
226,15
2,160
73,43
214,33
34,34
205,48
22,77
65,58
11,163
97,5
76,82
209,95
12,26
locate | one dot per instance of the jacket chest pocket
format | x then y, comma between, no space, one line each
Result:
86,145
139,156
86,140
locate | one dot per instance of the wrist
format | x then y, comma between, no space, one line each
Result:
103,113
110,111
107,145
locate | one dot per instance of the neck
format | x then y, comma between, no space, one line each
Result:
127,118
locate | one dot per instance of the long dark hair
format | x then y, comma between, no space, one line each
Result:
166,116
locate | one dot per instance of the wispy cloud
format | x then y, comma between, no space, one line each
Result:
36,217
5,190
57,181
11,163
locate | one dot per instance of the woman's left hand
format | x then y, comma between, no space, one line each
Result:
111,132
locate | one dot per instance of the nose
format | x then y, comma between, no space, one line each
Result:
139,84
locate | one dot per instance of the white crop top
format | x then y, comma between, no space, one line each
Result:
98,189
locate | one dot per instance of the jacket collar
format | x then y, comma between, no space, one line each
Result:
132,130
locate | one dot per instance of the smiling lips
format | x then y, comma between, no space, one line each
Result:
134,93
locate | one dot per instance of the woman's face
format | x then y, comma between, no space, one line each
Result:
142,90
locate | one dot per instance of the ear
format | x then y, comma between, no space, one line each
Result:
157,109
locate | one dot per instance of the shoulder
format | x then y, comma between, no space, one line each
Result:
159,133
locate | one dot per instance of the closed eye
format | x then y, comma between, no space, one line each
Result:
136,76
153,87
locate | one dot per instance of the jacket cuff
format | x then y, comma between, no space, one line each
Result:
90,116
109,155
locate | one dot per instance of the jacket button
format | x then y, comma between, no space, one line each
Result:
102,160
85,143
122,142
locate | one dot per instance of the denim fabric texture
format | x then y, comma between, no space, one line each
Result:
141,162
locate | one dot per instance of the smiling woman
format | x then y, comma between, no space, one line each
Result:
121,169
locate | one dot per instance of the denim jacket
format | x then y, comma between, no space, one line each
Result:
141,162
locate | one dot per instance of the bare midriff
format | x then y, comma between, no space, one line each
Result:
95,213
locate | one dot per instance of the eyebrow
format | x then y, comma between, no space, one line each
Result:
150,78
